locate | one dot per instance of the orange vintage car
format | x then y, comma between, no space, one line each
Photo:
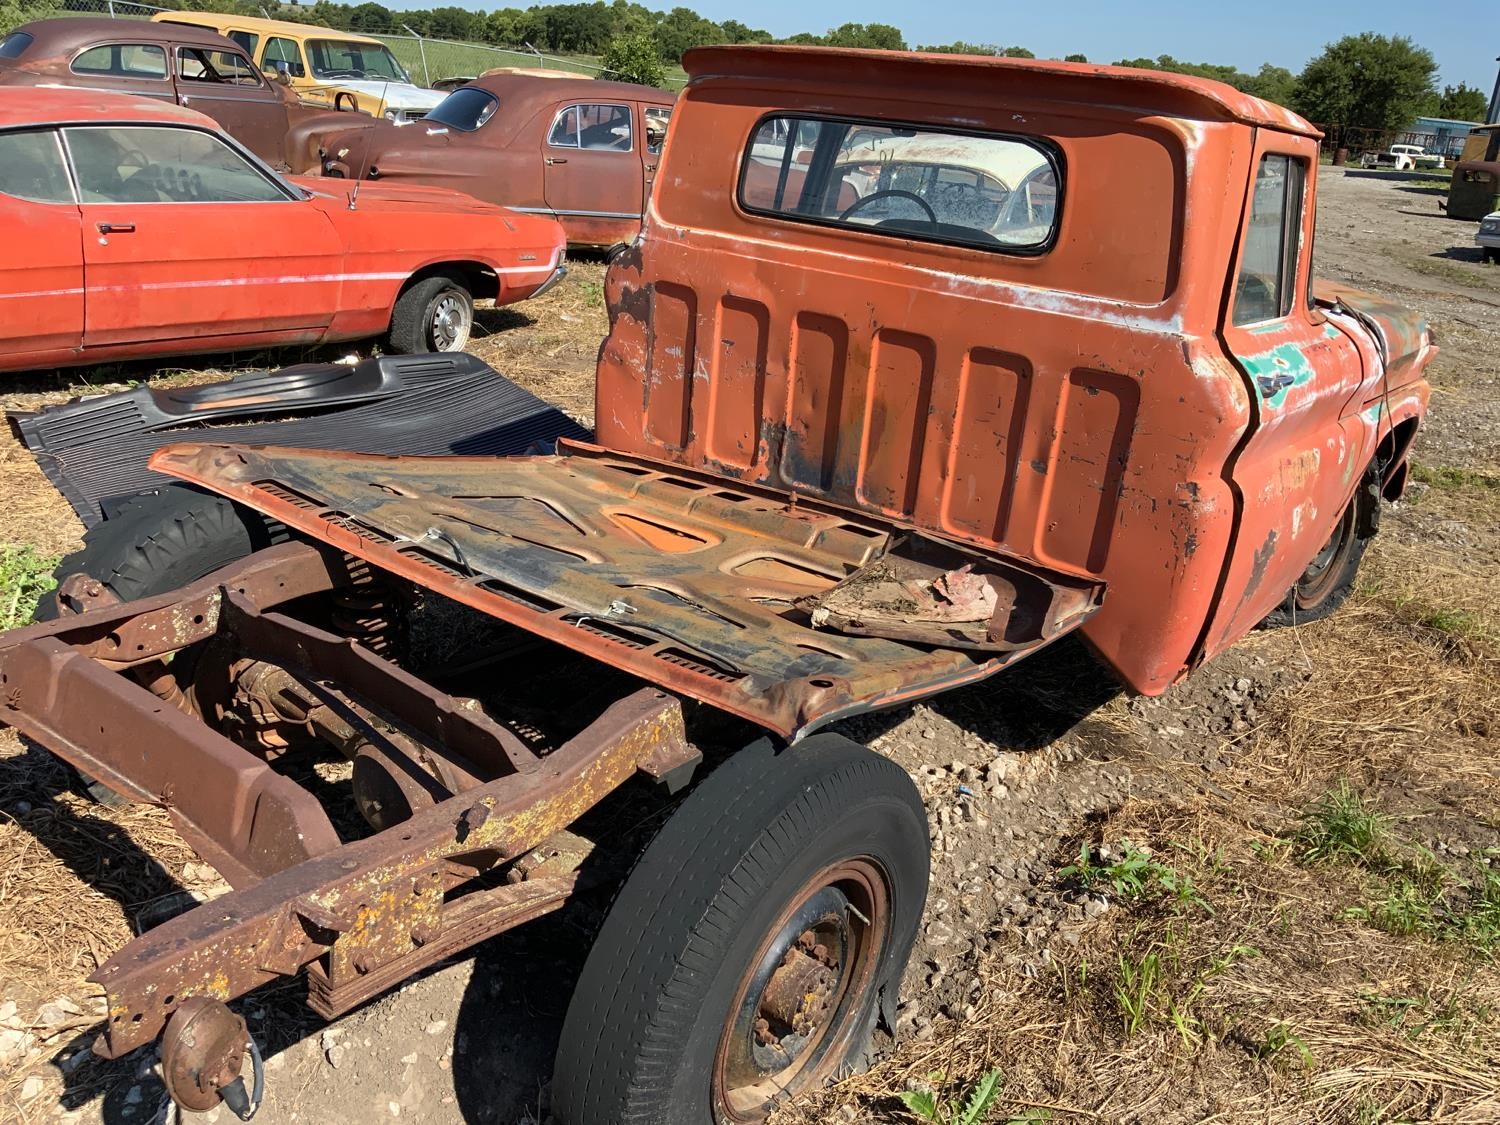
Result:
137,229
923,363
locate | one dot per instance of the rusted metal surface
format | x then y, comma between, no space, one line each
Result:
130,278
378,909
598,194
253,110
668,575
203,1051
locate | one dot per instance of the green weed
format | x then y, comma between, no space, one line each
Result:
24,577
1279,1037
1135,876
959,1108
1342,826
1447,477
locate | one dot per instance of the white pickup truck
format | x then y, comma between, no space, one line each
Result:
1403,158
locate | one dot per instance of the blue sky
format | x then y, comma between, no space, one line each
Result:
1463,35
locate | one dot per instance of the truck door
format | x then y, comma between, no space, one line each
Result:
41,257
592,177
227,87
1298,470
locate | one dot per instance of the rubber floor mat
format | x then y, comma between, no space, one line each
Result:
95,449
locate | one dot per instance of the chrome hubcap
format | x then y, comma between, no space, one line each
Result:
450,323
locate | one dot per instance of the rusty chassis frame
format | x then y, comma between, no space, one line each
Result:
358,917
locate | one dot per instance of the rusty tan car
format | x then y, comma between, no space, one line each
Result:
582,151
191,66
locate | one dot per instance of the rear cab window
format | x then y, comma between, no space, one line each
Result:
246,40
1266,286
32,167
992,191
122,60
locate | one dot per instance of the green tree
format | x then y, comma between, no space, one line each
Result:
880,36
1075,58
634,58
681,30
1366,81
1462,103
1273,83
371,19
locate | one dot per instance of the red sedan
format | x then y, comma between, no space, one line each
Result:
137,229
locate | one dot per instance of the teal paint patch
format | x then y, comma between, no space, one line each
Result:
1278,372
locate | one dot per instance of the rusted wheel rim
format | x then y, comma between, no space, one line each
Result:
1322,575
450,323
798,1006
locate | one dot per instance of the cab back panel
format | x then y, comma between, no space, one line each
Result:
1055,408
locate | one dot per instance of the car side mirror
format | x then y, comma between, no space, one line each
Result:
655,135
283,76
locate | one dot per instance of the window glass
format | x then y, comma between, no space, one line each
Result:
657,117
989,191
593,126
123,60
345,58
14,45
1268,263
466,109
204,64
31,167
282,54
141,164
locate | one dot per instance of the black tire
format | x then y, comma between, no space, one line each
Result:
653,1026
435,314
161,540
1329,578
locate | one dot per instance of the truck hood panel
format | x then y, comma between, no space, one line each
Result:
675,577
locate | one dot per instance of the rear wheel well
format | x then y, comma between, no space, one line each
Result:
479,279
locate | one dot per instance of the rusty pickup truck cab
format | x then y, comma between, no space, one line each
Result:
920,364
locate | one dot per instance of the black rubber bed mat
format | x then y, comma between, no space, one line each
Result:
95,449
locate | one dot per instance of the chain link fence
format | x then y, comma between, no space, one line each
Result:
428,61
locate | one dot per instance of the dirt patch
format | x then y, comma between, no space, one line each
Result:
1227,975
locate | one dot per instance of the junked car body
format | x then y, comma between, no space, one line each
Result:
138,229
578,149
1488,236
338,69
187,65
845,458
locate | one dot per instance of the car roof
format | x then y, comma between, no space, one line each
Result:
1174,95
39,105
65,34
523,88
264,26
